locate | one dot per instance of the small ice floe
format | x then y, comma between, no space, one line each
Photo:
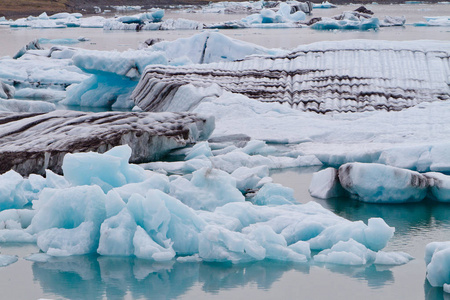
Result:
323,5
6,260
442,21
437,258
359,19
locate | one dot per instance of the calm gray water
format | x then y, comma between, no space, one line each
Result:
93,277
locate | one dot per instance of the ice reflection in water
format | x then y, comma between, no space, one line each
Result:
95,277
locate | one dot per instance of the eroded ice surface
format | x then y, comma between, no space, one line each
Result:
168,218
363,76
33,142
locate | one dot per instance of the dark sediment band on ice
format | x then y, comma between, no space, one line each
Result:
31,143
318,80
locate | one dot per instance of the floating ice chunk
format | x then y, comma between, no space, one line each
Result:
302,247
437,257
16,236
97,91
217,244
146,248
6,260
434,247
65,15
389,21
324,4
155,181
325,184
120,63
275,244
6,91
40,94
285,12
186,259
200,149
116,235
108,170
11,195
151,213
164,217
274,194
208,47
346,253
392,258
374,235
439,186
65,242
346,24
446,288
381,183
208,189
22,217
236,159
39,257
68,220
249,178
26,106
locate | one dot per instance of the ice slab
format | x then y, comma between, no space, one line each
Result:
342,87
59,132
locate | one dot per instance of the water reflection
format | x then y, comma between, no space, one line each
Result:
434,293
97,277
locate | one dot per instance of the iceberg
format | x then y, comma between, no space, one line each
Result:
377,183
380,183
309,83
325,184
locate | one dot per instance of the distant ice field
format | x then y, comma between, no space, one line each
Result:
286,38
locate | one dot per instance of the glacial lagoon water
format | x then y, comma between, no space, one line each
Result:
94,277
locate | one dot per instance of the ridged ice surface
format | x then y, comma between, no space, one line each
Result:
349,76
31,143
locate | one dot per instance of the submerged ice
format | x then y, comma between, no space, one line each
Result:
128,211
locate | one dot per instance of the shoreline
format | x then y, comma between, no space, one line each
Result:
23,8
